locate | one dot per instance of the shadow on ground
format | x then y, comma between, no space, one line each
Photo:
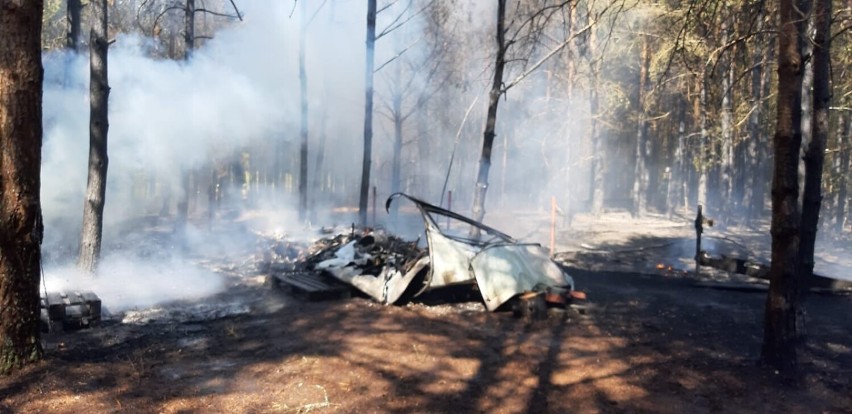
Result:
646,345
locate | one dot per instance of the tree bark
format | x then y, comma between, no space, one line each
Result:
703,153
807,108
640,179
598,172
815,154
189,29
781,327
726,165
93,208
677,175
189,47
74,9
396,170
753,197
20,179
364,194
303,88
843,168
490,120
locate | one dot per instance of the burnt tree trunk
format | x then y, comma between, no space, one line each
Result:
303,131
641,176
74,10
781,327
815,154
491,119
93,207
364,193
189,29
20,179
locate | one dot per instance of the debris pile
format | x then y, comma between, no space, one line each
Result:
391,270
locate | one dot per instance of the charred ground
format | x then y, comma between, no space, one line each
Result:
650,342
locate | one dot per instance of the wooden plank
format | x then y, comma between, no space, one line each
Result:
313,287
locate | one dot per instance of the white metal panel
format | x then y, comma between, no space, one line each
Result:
450,258
505,270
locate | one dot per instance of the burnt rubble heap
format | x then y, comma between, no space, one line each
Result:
391,270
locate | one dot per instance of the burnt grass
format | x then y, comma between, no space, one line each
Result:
647,343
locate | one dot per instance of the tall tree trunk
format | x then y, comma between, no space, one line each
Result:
93,208
189,29
303,88
815,154
781,323
807,107
843,167
727,144
20,180
318,184
753,195
74,9
490,120
677,174
189,46
364,193
703,152
396,170
640,178
598,172
761,188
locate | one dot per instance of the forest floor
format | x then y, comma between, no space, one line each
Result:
652,340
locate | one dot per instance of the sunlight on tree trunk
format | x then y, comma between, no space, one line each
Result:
20,181
815,155
93,209
781,323
364,193
303,130
490,120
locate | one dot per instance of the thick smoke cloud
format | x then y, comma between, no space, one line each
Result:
168,116
241,90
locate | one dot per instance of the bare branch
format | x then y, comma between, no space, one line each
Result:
316,12
550,54
397,56
387,6
396,23
157,19
208,11
236,10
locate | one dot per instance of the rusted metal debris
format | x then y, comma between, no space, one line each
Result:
391,270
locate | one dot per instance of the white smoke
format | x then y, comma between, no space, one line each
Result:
167,116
